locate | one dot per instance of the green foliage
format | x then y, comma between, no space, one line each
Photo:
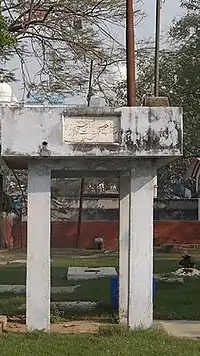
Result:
7,39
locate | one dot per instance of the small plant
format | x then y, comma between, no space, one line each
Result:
56,314
6,38
112,330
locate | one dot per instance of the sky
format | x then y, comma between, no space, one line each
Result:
146,29
170,10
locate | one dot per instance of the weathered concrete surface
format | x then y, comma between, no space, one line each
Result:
79,273
96,140
124,233
17,289
140,298
126,132
136,247
100,167
76,305
180,328
38,285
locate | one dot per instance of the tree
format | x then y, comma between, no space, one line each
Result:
180,81
64,36
6,38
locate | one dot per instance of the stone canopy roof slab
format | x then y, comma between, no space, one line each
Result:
36,132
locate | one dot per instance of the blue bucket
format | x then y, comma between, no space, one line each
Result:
114,291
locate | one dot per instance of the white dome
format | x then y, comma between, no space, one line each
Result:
5,93
97,101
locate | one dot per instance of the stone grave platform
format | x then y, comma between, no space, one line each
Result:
78,273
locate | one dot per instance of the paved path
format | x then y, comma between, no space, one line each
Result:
180,328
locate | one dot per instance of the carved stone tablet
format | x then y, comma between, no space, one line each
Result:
91,130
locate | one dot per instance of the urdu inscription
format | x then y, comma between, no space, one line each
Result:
92,130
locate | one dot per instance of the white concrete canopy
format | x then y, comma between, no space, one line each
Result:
60,132
130,143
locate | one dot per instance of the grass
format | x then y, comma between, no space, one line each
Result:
10,304
110,341
12,274
85,262
97,288
93,290
172,301
16,274
165,265
89,290
177,301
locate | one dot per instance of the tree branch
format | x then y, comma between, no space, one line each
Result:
15,28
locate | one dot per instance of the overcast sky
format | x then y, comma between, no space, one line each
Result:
170,10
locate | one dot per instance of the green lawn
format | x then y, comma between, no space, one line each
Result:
172,301
109,341
163,265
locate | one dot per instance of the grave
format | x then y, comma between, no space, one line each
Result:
17,289
129,143
78,273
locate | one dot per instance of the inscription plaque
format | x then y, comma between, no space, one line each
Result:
92,130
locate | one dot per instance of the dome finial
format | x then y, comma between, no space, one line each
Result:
5,92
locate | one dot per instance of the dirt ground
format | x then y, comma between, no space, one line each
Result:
18,325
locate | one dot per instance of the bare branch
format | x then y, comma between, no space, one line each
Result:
63,37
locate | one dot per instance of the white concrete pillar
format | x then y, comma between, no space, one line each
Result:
140,309
38,285
124,247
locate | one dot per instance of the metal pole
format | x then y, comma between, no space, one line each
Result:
80,212
90,83
157,48
130,54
